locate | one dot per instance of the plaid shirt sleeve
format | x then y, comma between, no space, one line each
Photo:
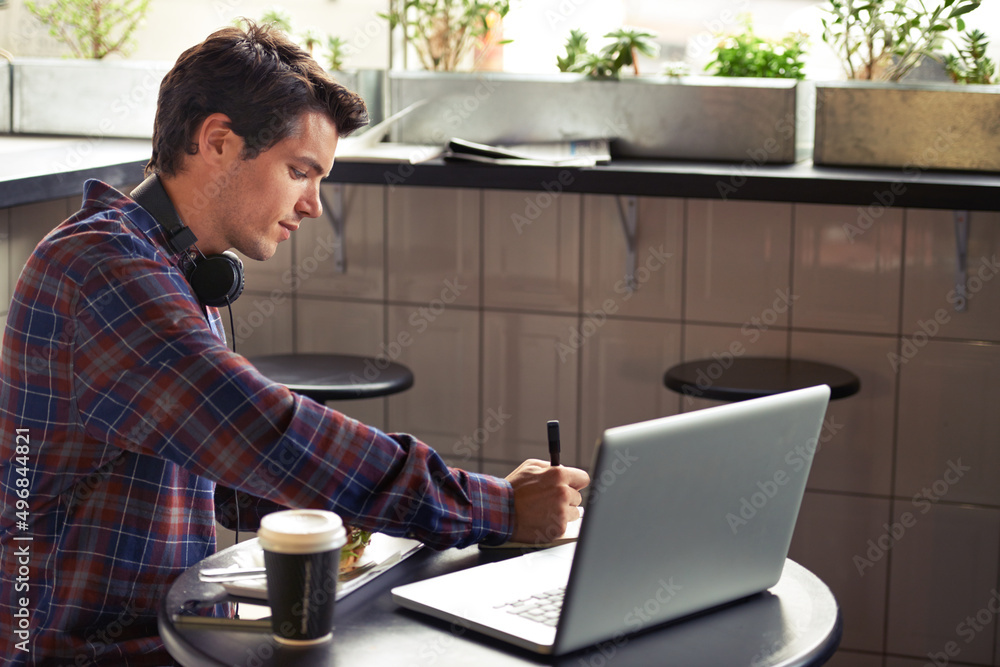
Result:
132,409
146,349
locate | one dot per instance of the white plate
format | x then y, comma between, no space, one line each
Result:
385,551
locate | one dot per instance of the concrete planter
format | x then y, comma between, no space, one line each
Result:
909,126
370,84
110,98
86,97
694,118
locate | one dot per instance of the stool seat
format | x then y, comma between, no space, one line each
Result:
330,377
742,378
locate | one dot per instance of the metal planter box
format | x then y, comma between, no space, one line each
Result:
86,97
910,126
693,118
369,84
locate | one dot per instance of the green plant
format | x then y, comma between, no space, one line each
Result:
336,48
443,31
310,40
92,28
625,46
885,39
576,50
622,51
749,55
971,64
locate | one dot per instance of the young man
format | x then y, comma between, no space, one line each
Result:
121,407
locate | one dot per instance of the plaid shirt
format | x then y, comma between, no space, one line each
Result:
121,408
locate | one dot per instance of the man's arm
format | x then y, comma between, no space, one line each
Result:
151,376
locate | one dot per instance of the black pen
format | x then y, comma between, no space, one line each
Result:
553,428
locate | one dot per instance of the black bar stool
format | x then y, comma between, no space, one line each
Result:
321,377
742,378
330,377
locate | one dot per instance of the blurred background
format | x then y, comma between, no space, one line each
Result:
686,31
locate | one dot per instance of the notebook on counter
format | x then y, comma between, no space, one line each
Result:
684,513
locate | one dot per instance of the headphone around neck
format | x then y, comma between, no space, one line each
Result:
217,280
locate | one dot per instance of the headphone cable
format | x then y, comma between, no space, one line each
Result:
236,494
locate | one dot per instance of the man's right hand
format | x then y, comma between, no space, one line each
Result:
546,498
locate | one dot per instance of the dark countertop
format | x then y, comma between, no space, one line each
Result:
34,169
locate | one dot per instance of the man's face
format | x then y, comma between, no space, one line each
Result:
267,197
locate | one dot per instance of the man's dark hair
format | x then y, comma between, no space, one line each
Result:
259,78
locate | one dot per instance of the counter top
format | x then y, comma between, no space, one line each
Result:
800,182
40,168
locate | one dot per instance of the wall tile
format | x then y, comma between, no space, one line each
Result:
273,276
855,452
364,252
944,571
622,377
344,327
831,532
659,257
530,372
847,658
531,262
738,261
930,292
28,225
947,418
433,245
264,324
442,407
847,274
892,661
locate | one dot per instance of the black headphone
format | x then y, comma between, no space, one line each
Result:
217,280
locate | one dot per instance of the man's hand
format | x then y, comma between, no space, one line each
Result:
546,498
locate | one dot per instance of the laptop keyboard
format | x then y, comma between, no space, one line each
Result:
542,607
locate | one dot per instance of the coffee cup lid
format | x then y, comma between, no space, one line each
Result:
301,531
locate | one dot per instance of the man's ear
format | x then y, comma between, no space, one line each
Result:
217,143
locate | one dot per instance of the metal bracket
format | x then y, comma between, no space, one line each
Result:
629,217
961,258
336,213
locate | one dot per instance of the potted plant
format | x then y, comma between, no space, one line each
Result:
747,54
600,94
97,34
879,117
444,32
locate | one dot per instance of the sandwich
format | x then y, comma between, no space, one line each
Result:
350,553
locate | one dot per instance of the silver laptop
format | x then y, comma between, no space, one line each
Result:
684,513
